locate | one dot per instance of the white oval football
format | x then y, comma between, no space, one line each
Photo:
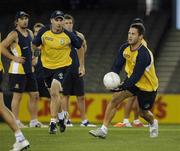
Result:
111,80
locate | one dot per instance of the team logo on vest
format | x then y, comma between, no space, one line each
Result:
60,75
125,55
146,106
48,38
16,86
62,41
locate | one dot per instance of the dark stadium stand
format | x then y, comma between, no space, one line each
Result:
105,31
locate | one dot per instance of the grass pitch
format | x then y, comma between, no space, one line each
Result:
77,139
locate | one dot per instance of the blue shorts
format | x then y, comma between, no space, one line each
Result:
73,85
23,83
145,99
58,74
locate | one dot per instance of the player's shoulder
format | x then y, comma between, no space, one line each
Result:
79,34
13,33
144,51
70,34
30,32
124,46
44,29
143,48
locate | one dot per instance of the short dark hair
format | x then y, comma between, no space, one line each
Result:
68,16
137,20
140,27
39,25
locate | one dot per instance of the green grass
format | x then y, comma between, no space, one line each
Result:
77,139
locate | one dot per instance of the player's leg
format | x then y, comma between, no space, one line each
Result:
17,84
66,81
82,108
135,107
21,142
32,89
60,115
146,101
127,110
110,112
33,110
15,108
54,104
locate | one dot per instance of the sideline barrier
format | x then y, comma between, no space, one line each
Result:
166,108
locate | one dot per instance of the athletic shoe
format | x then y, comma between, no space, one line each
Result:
97,133
62,126
19,146
69,123
137,125
38,124
153,129
52,128
87,124
21,125
122,125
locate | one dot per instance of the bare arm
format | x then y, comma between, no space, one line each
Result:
81,54
8,41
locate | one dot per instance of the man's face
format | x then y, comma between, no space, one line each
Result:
57,23
133,36
68,25
23,22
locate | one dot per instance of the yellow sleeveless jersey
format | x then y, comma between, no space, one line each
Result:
149,80
16,68
1,65
22,48
56,48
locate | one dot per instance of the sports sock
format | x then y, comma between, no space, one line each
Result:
104,129
126,120
19,136
53,120
84,121
63,115
34,121
137,121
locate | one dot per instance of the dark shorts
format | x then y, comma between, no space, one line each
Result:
73,85
145,99
58,74
23,83
42,89
1,78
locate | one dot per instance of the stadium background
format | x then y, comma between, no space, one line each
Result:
105,24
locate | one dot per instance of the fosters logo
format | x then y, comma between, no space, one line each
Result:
62,41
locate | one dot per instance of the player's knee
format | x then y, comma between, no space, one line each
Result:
35,96
54,94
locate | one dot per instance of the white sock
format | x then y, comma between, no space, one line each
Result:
19,136
18,121
63,115
34,121
84,121
126,120
104,129
137,121
53,120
